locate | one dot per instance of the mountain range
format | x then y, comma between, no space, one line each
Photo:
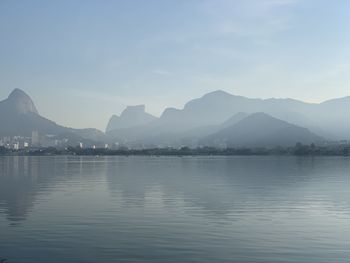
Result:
19,117
132,116
204,116
216,119
261,130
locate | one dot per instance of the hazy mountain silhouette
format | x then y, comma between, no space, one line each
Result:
216,107
132,116
233,120
19,116
332,116
18,102
261,130
200,118
189,137
213,109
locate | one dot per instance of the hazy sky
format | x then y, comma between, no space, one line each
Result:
82,61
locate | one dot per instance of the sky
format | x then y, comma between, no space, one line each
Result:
82,61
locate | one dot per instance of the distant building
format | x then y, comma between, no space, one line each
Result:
47,141
16,146
81,145
35,138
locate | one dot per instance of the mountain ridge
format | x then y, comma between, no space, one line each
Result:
19,117
20,102
131,116
215,107
198,118
261,130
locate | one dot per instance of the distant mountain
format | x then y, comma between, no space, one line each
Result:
191,137
18,102
326,119
210,111
19,117
261,130
132,116
216,107
233,120
151,135
200,120
332,116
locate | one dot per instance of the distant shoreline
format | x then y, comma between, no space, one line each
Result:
179,156
297,150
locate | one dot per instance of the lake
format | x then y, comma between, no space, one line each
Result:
174,209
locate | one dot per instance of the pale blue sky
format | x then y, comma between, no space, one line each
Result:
82,61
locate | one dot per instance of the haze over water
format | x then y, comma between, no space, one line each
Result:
174,209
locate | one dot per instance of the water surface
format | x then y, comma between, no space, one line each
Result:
174,209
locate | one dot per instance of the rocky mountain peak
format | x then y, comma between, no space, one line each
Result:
21,102
137,109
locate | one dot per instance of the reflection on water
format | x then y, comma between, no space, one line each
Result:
172,209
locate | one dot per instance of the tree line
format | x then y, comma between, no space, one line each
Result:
298,150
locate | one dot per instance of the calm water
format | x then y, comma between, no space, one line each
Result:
172,209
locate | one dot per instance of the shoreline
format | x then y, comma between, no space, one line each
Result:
297,150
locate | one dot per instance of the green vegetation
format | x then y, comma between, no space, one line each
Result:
299,150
